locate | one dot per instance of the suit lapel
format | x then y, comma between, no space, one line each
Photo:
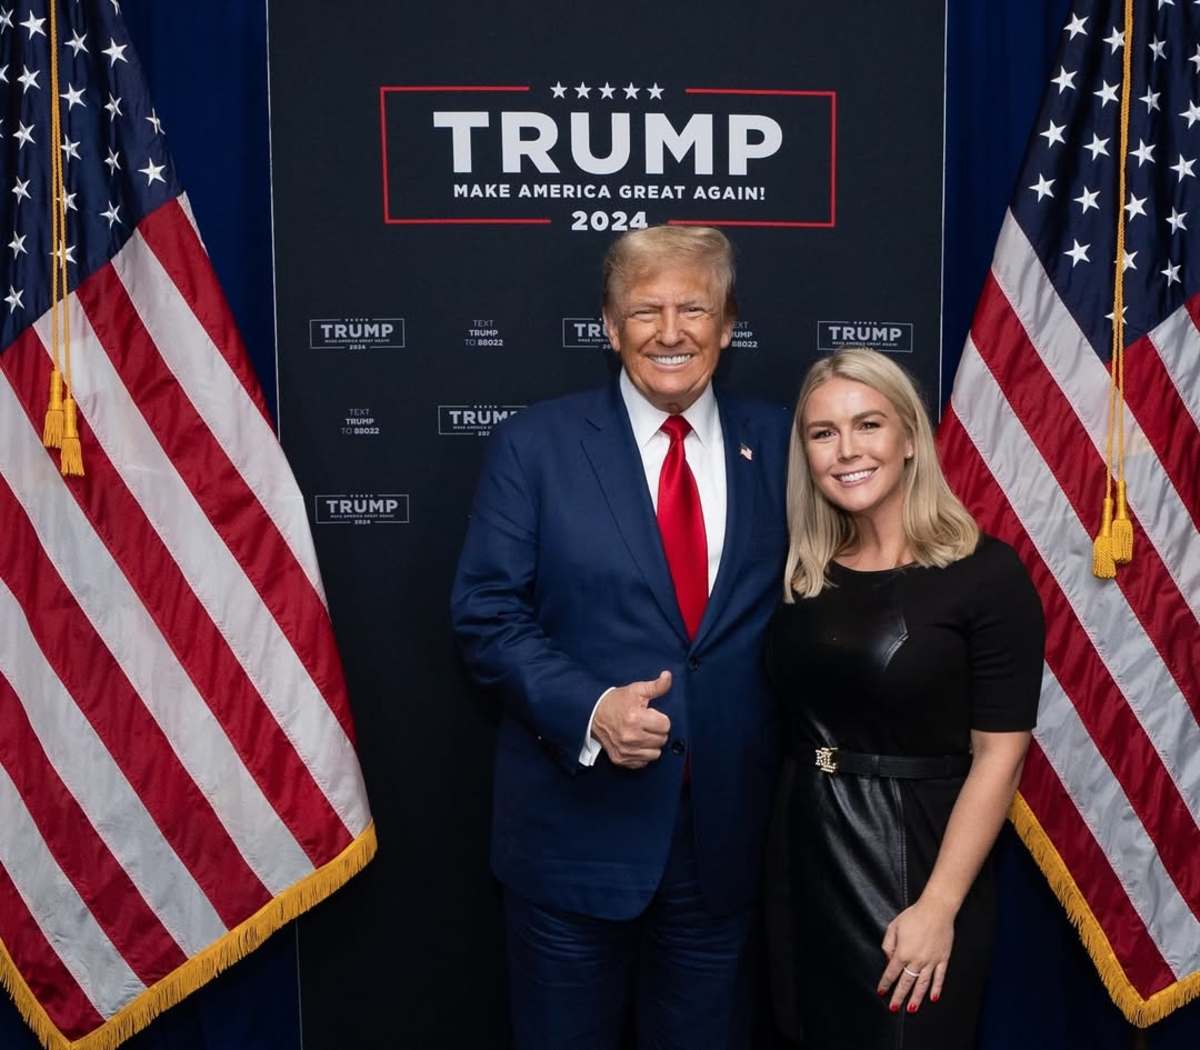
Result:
740,474
614,456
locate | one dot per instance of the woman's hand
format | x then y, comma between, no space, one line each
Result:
917,945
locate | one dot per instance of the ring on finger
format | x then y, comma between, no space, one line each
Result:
911,973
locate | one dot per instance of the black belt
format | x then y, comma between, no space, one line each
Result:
833,760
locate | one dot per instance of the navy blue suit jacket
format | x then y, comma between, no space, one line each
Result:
563,590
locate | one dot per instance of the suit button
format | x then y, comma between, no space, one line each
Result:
678,747
693,664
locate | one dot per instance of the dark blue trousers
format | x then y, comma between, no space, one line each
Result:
572,976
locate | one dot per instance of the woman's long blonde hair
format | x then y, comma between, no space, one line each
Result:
939,529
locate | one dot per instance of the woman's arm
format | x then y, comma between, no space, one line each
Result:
917,941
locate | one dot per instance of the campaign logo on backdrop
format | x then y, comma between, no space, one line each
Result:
584,333
356,333
615,156
894,337
743,336
474,420
361,508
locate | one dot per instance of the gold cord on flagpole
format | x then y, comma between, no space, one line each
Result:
1114,542
61,429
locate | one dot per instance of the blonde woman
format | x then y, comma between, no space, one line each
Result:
907,655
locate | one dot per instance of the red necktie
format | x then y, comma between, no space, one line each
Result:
681,524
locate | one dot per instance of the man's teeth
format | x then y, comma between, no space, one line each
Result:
858,475
673,359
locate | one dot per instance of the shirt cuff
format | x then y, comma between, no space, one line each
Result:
591,746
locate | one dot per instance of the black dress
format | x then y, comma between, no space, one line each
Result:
897,662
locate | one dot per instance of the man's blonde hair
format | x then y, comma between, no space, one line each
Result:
640,253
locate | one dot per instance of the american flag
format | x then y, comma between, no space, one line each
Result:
1110,798
177,766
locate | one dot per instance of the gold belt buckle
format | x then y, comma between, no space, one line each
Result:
827,761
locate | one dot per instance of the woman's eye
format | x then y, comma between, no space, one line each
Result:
820,435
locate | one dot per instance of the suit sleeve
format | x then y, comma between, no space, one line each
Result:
494,611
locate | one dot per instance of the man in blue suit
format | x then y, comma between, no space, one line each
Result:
624,554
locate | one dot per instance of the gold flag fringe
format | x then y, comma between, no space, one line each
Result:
202,967
1138,1011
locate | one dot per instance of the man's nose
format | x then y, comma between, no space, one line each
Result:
668,327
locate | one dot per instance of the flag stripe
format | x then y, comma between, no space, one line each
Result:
93,871
62,916
1088,779
1092,872
202,461
108,799
100,687
1054,428
1138,764
1180,353
48,979
192,636
187,303
1164,418
175,241
1084,382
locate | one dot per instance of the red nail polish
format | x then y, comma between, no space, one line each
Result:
912,1008
881,992
895,1008
934,998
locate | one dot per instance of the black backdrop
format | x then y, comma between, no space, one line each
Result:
402,339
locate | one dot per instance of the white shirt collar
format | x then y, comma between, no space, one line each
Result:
648,420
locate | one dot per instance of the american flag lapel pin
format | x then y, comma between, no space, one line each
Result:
746,452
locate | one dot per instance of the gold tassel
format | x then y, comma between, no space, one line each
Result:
52,432
72,453
1103,566
1122,530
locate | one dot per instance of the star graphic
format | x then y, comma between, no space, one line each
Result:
1135,207
1053,133
1078,253
14,299
1196,58
1108,316
29,79
4,73
1183,168
76,43
1171,273
1127,263
1076,26
655,91
112,215
1042,188
115,52
1162,2
113,161
1106,94
1191,114
1064,79
1176,221
113,105
607,90
58,254
630,90
21,190
1115,40
70,149
1157,49
69,201
582,90
1088,199
34,25
1144,152
1097,146
154,122
1151,99
5,18
153,171
557,90
25,134
17,244
74,97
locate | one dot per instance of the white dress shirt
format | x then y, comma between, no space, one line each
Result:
704,450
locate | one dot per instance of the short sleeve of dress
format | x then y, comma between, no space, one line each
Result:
1006,636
